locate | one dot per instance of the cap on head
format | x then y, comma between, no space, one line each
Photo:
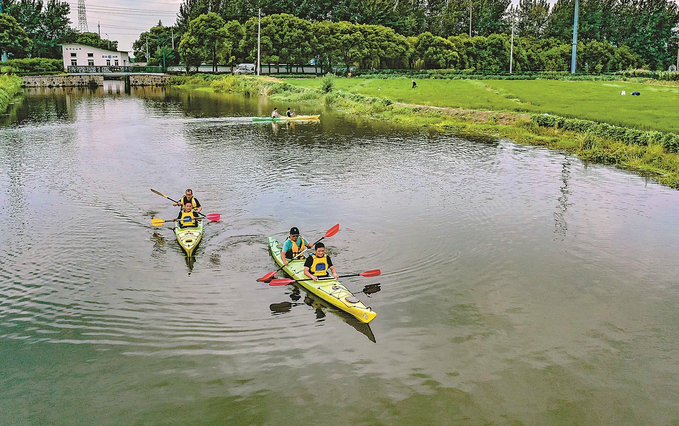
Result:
294,231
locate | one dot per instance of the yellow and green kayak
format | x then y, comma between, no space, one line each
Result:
189,238
329,290
286,118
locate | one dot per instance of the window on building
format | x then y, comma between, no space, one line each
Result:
108,62
73,55
90,55
74,62
90,62
116,62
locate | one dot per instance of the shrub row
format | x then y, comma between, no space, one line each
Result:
472,74
669,141
33,66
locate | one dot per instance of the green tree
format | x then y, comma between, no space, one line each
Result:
158,37
229,51
202,39
94,40
13,38
54,30
436,52
532,18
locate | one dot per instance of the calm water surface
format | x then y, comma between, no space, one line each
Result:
519,287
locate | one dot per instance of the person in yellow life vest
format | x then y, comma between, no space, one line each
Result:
189,213
293,246
189,198
318,264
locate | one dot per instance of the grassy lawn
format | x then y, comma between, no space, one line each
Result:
656,109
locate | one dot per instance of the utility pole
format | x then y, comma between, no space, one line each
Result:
259,36
147,50
575,38
511,50
172,33
513,16
470,18
99,28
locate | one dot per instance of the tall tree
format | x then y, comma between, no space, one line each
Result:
159,39
648,27
13,38
532,18
54,30
203,37
95,40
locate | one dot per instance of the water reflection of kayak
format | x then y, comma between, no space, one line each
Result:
286,118
319,306
330,291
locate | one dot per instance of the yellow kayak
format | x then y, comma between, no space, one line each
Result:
189,238
329,290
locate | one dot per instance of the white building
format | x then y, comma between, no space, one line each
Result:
83,55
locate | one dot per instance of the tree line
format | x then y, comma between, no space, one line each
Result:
295,42
646,26
413,34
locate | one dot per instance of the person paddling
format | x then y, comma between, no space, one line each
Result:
293,246
189,198
188,217
318,264
275,113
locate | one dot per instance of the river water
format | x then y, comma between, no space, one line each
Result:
520,286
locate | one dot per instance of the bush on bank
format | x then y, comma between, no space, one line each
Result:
669,141
10,85
33,66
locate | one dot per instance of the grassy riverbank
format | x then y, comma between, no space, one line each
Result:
10,85
499,109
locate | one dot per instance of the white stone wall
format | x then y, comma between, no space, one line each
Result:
62,80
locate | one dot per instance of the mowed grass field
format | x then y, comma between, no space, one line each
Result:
656,109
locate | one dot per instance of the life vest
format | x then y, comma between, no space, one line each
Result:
193,202
320,266
296,249
188,223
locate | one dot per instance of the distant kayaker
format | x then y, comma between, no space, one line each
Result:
188,212
290,113
294,245
275,113
189,198
318,264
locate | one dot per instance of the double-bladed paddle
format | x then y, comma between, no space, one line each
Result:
286,281
212,217
332,231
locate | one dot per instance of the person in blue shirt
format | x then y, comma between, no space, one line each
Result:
293,246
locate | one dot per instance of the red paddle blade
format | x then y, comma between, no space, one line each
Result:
373,273
332,231
281,281
213,217
267,277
